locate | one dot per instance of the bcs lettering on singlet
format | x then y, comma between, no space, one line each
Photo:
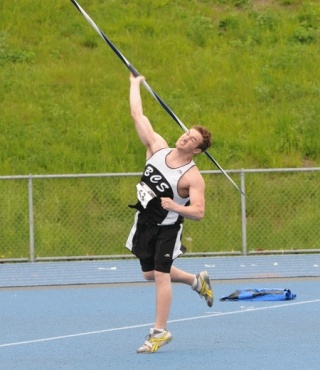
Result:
156,181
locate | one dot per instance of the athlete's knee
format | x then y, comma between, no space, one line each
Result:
160,276
148,275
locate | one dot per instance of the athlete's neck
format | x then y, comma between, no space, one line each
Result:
177,158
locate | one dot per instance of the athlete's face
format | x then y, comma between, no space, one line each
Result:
190,141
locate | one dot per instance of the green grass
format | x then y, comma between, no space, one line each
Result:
247,70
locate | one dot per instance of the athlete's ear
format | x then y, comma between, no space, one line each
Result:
197,151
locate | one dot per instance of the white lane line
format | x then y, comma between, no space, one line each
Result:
216,314
249,309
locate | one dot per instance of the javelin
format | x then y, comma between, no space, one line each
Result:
146,85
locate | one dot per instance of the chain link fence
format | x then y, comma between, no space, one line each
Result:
87,216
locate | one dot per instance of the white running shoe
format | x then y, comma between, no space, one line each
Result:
204,288
155,340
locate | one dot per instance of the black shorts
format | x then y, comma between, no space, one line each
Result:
155,246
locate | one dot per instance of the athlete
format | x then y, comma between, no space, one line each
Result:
171,189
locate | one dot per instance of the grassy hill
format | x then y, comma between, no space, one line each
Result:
248,70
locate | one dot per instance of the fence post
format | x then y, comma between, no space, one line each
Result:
31,224
243,214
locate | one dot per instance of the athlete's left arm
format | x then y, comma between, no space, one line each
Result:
195,211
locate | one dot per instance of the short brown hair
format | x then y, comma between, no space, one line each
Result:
206,136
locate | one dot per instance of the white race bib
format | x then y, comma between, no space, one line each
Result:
144,194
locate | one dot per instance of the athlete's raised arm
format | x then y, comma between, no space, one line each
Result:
152,141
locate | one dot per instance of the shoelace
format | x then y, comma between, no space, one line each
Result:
204,290
155,341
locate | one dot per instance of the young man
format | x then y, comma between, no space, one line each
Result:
170,190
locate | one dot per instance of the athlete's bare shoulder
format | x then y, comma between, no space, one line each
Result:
158,143
191,179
